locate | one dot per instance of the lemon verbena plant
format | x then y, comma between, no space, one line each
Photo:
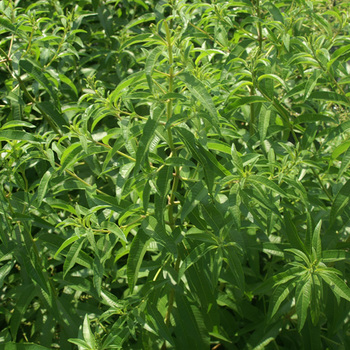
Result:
174,174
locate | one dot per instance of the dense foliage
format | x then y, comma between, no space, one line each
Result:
174,174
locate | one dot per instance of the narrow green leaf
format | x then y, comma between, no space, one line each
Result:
38,75
264,121
274,11
303,295
292,233
72,255
198,152
111,226
231,255
138,250
237,159
10,135
7,25
279,295
340,202
80,343
150,63
98,274
198,90
246,101
190,324
196,254
54,114
147,136
345,164
163,184
195,195
158,322
141,38
299,254
157,231
5,270
311,84
273,77
87,333
118,143
219,146
335,255
43,185
338,286
340,149
330,96
130,80
316,240
17,123
70,156
312,118
26,293
67,81
279,278
261,180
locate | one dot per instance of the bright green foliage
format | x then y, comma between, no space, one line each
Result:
174,174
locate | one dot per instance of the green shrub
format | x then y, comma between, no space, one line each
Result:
174,174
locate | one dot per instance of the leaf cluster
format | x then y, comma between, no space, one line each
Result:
174,174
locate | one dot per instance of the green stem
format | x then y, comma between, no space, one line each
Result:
252,111
28,95
171,217
169,111
322,185
259,28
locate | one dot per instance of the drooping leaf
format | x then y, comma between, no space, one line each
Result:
196,254
337,285
279,295
303,297
340,202
38,75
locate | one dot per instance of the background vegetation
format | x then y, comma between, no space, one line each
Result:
174,174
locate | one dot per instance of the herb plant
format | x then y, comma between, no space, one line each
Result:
174,174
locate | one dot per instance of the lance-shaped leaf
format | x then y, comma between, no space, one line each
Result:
261,180
53,113
338,286
340,203
196,254
38,75
195,195
231,255
150,63
279,295
138,250
72,255
87,333
316,240
148,134
198,90
42,189
190,324
303,296
10,135
264,121
330,96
